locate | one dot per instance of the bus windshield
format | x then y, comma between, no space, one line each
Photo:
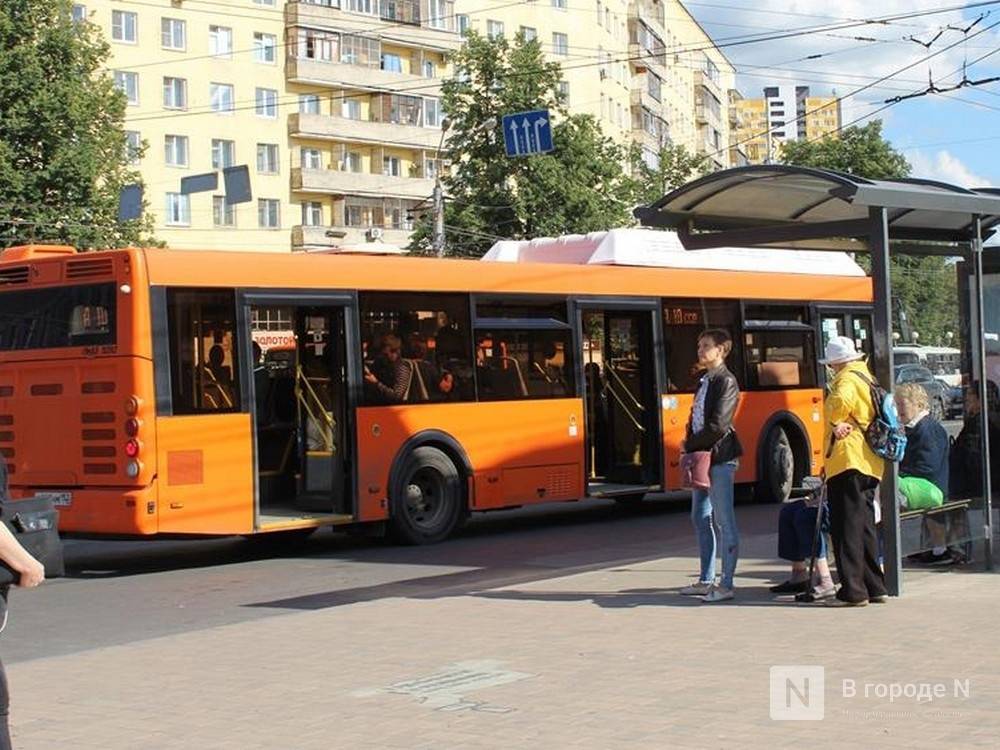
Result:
58,317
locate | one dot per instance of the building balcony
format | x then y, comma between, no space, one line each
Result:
335,182
652,14
345,75
639,96
416,26
644,138
701,78
328,238
642,59
327,127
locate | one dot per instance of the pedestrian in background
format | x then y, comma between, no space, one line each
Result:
853,471
710,428
31,573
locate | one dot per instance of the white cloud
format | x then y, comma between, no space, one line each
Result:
946,167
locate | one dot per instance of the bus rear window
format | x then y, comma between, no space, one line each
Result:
58,317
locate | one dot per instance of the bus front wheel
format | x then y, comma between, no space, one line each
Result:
427,500
774,485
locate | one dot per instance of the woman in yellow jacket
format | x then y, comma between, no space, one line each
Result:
853,472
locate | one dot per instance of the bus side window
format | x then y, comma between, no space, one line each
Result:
204,371
683,322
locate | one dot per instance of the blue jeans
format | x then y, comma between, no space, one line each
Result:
717,504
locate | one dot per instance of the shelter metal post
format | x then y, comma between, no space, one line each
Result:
882,344
980,373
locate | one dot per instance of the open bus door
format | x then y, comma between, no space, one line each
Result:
301,404
620,376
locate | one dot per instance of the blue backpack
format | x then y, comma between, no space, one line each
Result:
885,435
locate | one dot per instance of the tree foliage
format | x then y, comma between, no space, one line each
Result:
925,289
675,166
63,150
582,186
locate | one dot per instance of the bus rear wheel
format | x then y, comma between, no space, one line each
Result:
427,500
774,485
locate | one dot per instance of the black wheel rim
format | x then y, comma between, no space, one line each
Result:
426,500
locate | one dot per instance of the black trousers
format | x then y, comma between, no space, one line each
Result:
852,526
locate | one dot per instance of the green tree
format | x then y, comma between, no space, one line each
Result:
63,149
675,166
924,288
582,186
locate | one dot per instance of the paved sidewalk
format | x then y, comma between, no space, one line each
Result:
602,658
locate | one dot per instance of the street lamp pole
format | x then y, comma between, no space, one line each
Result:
437,197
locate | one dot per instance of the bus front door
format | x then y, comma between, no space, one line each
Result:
300,412
623,428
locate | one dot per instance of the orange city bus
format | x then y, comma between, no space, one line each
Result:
134,390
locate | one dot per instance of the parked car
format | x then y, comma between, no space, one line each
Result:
936,390
954,405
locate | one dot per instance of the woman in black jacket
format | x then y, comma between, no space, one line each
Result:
710,428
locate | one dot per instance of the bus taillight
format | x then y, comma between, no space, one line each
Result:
132,427
132,448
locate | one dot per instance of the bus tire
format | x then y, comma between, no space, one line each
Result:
426,503
777,468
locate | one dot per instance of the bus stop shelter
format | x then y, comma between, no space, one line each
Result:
799,207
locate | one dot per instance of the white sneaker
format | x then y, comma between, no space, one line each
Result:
718,594
696,589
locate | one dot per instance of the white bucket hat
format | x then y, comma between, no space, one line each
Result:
840,349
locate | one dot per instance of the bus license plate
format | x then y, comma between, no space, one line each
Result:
59,499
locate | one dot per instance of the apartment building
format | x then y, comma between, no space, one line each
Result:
784,113
332,104
644,68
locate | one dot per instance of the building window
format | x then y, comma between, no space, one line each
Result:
128,84
133,146
351,109
309,104
123,26
560,44
529,33
369,7
494,29
79,13
399,109
174,93
176,150
264,46
178,210
564,92
311,158
432,113
220,41
268,216
561,4
462,21
318,45
439,11
265,102
353,162
392,62
223,153
312,214
264,2
173,33
223,212
267,158
653,85
392,166
429,69
221,97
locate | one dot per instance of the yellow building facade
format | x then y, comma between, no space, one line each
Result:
784,113
334,105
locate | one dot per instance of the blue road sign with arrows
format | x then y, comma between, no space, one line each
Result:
526,133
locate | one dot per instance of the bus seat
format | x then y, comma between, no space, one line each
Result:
506,378
778,374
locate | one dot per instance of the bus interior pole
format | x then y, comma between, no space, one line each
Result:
878,240
979,368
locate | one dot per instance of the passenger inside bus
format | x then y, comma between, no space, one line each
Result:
217,387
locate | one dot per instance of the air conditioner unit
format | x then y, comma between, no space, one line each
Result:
374,234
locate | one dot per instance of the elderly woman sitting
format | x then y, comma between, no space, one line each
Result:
923,472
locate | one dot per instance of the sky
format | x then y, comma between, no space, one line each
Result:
953,136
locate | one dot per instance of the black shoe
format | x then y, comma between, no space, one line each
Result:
790,587
878,599
944,558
